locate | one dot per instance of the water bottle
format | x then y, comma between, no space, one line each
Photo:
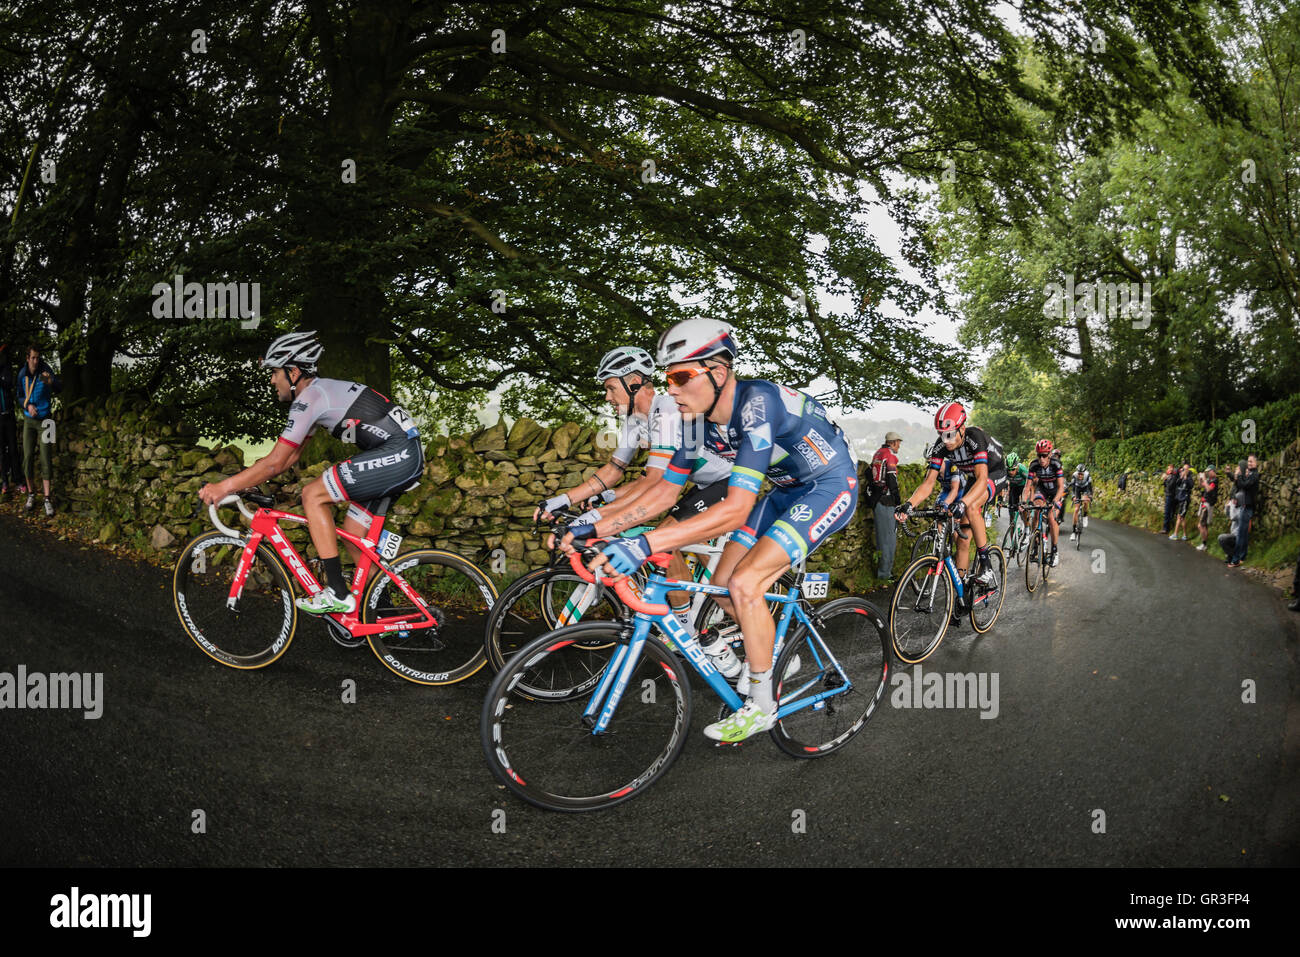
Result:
720,653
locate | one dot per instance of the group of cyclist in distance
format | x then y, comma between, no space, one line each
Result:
723,434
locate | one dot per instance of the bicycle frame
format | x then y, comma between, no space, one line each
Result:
582,599
265,525
609,691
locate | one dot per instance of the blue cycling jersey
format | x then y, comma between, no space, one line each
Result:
780,433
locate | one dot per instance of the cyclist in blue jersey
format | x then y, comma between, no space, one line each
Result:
765,431
659,490
390,461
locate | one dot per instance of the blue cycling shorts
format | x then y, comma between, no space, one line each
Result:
802,517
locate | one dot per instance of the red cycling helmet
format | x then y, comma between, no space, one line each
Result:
1043,447
951,415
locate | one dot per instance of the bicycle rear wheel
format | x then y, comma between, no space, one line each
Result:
544,750
849,631
919,609
260,627
986,602
459,596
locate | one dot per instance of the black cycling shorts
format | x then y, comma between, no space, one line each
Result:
384,471
698,499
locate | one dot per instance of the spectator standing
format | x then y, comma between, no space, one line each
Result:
1182,499
9,470
1245,487
36,389
1209,498
885,498
1171,477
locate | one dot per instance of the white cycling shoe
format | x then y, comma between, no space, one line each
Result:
325,602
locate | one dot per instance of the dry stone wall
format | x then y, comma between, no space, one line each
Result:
134,470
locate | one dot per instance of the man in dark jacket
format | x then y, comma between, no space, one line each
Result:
884,499
1245,486
1171,487
9,471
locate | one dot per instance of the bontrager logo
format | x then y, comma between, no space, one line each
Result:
75,910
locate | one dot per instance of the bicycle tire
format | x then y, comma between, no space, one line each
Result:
987,605
928,539
1033,574
908,631
521,613
457,590
262,625
852,631
545,753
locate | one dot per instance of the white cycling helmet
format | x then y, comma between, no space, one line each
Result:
624,361
294,349
697,339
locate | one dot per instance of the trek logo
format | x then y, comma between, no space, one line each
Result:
829,517
393,459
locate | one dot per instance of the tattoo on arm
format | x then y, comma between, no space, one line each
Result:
629,519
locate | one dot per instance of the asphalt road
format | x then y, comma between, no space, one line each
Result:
1120,690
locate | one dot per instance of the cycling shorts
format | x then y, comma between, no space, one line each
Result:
377,473
698,499
802,517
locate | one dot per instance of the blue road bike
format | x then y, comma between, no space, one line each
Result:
589,716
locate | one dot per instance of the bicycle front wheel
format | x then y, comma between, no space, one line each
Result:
541,601
919,609
457,594
986,602
260,626
847,661
544,750
1033,561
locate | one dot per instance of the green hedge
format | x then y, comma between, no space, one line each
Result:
1203,443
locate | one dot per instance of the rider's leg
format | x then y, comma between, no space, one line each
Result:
317,505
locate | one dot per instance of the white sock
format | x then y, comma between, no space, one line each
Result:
760,690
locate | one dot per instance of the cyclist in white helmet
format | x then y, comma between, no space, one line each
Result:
660,489
391,458
767,431
626,373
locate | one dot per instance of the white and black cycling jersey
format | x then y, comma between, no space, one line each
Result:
349,411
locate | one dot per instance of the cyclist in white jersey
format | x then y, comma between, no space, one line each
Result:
391,458
625,373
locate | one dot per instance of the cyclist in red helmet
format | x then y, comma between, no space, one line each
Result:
1047,479
979,457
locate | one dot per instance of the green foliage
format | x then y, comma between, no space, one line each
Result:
1204,443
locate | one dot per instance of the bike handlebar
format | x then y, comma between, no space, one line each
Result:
216,520
621,587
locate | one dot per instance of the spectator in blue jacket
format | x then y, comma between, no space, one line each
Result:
37,387
1245,488
9,470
